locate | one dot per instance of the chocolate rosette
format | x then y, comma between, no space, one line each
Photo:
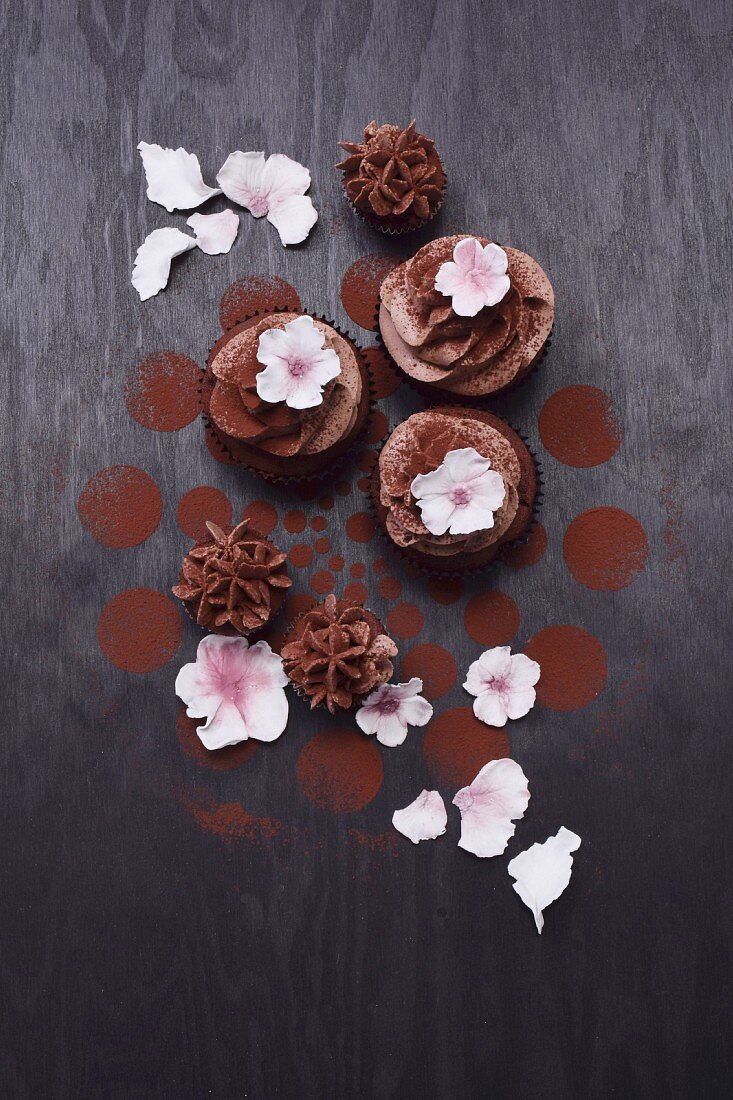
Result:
284,446
528,490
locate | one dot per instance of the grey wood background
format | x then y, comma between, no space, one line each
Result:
142,957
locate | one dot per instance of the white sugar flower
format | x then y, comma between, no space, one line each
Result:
498,795
297,366
273,188
503,685
474,278
423,819
390,709
238,688
543,871
461,496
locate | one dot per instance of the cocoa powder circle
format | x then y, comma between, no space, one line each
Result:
256,294
120,506
457,745
491,618
605,549
139,630
573,667
579,426
360,287
434,665
202,504
162,391
340,770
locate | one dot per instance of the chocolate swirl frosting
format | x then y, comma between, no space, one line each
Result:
234,581
238,411
393,174
419,445
472,356
337,653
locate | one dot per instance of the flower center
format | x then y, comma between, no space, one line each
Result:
476,277
389,706
499,684
258,205
460,495
297,367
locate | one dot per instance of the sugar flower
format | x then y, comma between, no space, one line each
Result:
238,688
153,259
174,178
297,366
543,871
474,278
423,819
215,233
498,795
461,496
273,188
390,709
503,685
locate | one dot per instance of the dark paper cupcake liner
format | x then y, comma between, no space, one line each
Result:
334,465
400,230
466,570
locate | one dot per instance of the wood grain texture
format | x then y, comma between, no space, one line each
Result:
145,957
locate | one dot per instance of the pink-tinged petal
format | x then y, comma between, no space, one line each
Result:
468,254
153,260
523,671
215,233
488,492
240,178
391,730
174,178
416,711
265,712
494,259
293,216
306,392
543,871
468,300
274,345
496,288
448,278
519,702
282,177
409,690
469,518
367,718
489,708
274,383
195,688
304,336
435,482
437,513
498,796
225,727
465,464
423,819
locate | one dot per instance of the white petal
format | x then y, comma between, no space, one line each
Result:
523,671
240,178
494,259
519,702
497,796
495,289
274,382
293,217
423,819
435,482
391,730
367,718
153,260
225,727
491,664
543,871
416,711
468,254
468,300
307,391
274,345
174,178
409,690
466,464
471,517
215,233
437,513
304,336
282,177
489,708
449,277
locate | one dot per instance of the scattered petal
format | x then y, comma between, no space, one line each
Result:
215,233
238,688
498,795
297,365
153,260
174,178
423,819
543,871
273,188
461,495
503,685
389,710
474,278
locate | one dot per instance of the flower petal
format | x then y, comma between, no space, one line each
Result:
174,177
498,795
423,819
153,260
494,259
391,730
468,300
466,464
437,513
543,871
436,481
489,708
416,711
367,718
282,177
262,701
293,216
225,727
240,178
215,233
496,288
468,254
471,517
523,671
448,278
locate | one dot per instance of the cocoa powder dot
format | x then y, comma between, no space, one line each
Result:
491,618
162,391
360,527
261,515
605,549
579,426
300,555
340,770
573,669
295,521
322,582
120,506
139,630
360,287
405,620
199,505
256,294
457,745
520,555
434,665
356,591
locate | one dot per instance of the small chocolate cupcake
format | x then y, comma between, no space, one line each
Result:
337,653
453,485
393,177
286,394
234,581
466,317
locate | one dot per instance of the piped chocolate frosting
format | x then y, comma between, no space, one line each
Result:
234,581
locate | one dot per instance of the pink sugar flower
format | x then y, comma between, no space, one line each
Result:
273,188
461,496
503,685
474,278
390,709
297,365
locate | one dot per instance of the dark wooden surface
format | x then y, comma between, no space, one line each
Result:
144,957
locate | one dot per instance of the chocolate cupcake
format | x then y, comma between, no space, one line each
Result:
466,317
393,177
286,394
337,653
234,581
453,485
